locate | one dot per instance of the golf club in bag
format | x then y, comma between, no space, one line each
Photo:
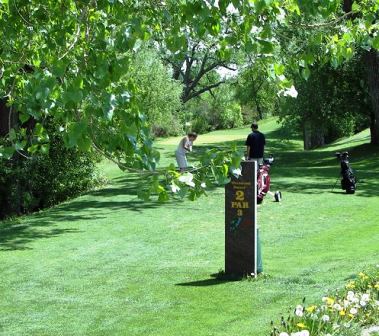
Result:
263,181
348,181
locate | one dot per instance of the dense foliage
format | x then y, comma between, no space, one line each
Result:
331,103
257,93
46,179
217,111
159,94
71,61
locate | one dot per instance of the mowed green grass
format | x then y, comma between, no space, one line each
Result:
109,264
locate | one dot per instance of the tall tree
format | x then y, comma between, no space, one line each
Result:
195,66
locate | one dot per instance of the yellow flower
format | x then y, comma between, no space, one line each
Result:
329,301
342,313
362,275
350,285
351,316
311,309
301,325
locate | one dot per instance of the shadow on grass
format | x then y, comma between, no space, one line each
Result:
294,170
215,279
15,236
96,205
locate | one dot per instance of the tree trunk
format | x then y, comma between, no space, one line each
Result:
8,118
4,118
313,137
372,64
347,5
259,109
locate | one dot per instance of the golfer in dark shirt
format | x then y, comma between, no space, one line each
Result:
255,144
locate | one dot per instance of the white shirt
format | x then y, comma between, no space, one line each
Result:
183,144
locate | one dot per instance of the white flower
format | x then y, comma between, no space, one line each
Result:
299,311
365,297
203,185
337,306
187,179
363,303
174,188
353,311
325,318
350,296
301,333
292,92
237,172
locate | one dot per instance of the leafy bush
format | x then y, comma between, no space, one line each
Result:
218,111
341,314
30,184
159,95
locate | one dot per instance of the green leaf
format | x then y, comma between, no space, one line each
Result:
309,58
23,117
59,68
279,69
45,148
306,73
163,196
143,195
109,106
12,135
266,47
6,152
375,42
84,144
355,7
33,149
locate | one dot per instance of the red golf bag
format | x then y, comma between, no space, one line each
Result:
263,181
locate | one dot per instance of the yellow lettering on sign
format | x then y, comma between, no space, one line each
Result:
240,195
239,212
240,205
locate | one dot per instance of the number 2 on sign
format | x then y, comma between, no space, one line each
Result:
240,195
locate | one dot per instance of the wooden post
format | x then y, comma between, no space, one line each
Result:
241,222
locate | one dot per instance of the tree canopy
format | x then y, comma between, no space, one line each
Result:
70,61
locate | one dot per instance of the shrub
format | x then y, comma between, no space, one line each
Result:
355,306
159,94
41,181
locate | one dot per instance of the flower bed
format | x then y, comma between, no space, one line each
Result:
352,308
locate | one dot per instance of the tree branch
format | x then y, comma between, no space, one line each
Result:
205,89
326,24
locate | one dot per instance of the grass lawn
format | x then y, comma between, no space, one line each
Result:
108,264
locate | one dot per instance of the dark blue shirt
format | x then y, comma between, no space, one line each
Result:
256,141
